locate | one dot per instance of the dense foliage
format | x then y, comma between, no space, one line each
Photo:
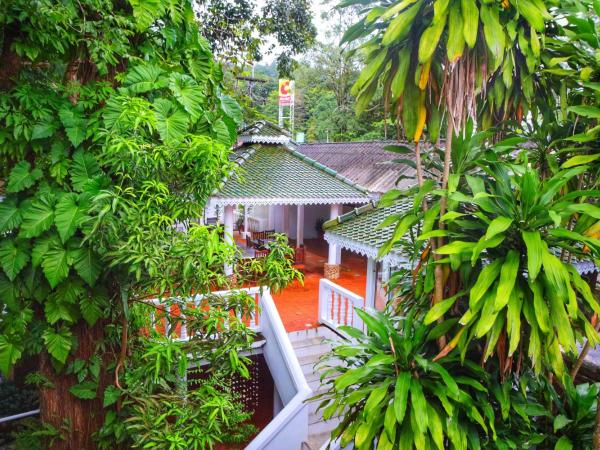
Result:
115,129
503,213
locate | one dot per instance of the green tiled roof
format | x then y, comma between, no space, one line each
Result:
358,229
278,174
263,128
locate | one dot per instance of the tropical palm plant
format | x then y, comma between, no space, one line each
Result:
387,388
513,238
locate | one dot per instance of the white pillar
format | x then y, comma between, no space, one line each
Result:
286,219
335,253
228,221
271,219
371,283
245,220
300,226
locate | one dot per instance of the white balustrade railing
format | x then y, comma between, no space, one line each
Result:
337,306
289,427
252,321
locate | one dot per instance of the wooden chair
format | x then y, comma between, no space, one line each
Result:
261,253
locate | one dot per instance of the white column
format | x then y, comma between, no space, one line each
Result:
271,218
228,221
300,226
371,283
245,220
286,219
335,253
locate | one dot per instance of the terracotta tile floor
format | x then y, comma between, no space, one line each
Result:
298,304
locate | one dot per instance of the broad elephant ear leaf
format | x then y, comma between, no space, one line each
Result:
171,122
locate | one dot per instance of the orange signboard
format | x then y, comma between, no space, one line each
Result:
286,92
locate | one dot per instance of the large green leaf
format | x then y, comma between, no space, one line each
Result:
399,80
56,309
456,247
188,93
534,12
146,12
401,395
400,25
22,177
456,37
84,168
55,264
436,428
58,343
231,108
590,112
90,309
439,309
87,264
419,404
579,159
376,397
74,123
498,225
40,247
171,122
493,32
10,215
368,73
68,216
37,217
86,390
540,306
535,249
145,77
513,320
487,276
470,15
14,255
430,38
9,354
508,276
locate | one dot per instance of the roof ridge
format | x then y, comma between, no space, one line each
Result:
239,160
374,141
324,168
355,212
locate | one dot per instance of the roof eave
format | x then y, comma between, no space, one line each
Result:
393,258
249,200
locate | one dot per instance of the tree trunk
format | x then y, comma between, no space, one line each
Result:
11,62
77,419
438,292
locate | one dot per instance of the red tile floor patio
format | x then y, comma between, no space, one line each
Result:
298,304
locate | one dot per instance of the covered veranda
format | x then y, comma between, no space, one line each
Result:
290,191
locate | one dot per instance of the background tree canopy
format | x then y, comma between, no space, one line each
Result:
240,31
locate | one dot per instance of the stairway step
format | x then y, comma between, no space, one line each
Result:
318,439
308,342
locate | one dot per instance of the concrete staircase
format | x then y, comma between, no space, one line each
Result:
309,346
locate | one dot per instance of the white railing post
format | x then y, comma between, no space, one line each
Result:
322,301
337,305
